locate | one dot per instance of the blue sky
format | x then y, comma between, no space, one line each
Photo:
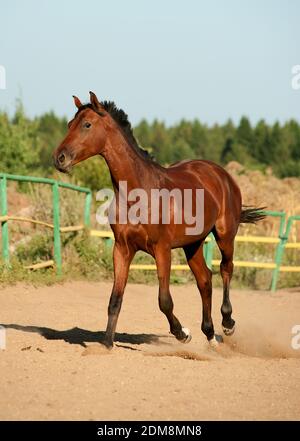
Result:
211,60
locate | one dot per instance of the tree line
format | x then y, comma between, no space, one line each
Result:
26,145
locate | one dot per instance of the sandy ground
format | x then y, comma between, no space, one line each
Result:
54,368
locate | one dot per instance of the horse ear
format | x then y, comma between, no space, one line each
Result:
77,102
96,105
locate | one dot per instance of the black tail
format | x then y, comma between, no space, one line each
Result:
251,215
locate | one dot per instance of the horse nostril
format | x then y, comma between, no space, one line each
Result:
61,158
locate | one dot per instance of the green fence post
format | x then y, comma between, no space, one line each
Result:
205,251
108,241
56,230
209,251
279,252
278,260
4,224
87,209
280,249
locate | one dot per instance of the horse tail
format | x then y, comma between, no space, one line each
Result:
251,215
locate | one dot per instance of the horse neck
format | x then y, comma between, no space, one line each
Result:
124,162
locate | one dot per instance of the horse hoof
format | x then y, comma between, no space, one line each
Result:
108,345
228,331
215,341
188,336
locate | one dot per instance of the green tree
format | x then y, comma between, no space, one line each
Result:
262,148
51,131
279,150
244,134
26,145
92,173
181,150
18,143
233,151
143,133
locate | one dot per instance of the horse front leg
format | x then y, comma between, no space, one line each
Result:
122,257
163,263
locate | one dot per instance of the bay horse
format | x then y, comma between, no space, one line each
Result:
100,128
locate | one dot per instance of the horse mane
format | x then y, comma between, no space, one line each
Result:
121,118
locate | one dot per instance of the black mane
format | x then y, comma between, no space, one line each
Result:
121,118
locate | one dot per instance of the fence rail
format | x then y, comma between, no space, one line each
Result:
281,241
276,266
57,229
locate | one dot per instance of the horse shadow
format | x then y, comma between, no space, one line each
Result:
79,336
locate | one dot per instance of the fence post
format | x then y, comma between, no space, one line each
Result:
279,252
278,260
280,249
56,229
4,224
205,251
209,251
87,209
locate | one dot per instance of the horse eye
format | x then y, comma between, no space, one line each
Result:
87,125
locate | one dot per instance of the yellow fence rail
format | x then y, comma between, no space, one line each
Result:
175,267
238,263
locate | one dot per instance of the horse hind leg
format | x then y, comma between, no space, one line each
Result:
203,276
226,247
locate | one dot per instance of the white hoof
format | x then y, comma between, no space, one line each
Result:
228,331
188,335
215,341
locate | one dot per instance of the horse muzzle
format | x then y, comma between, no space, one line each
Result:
63,161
